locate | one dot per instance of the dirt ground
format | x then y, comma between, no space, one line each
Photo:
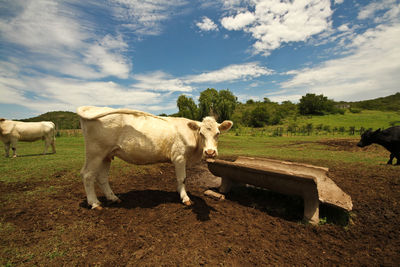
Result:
152,228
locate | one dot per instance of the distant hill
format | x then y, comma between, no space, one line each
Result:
387,103
70,120
62,119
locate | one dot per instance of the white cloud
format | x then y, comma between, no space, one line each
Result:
273,22
207,25
43,26
369,10
343,28
55,38
370,71
287,97
239,21
145,17
160,81
67,94
107,55
230,73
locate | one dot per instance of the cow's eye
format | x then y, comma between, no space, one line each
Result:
216,135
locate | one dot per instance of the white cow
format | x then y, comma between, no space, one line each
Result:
13,131
141,138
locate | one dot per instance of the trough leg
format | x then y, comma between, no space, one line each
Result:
311,209
226,185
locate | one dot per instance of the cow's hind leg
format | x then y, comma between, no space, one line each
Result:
46,145
180,170
14,148
90,172
53,145
102,181
397,155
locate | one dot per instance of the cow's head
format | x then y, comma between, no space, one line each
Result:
1,126
208,131
368,138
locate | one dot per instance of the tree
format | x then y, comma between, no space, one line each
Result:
207,103
259,116
312,104
220,104
226,105
187,107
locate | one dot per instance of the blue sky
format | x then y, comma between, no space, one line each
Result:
59,55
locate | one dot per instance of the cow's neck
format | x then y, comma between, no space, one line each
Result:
380,140
198,151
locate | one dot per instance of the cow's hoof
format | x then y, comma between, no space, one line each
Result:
188,203
97,207
14,156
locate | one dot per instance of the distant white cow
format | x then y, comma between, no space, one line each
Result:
141,138
13,131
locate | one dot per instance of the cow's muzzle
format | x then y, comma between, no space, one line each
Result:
210,153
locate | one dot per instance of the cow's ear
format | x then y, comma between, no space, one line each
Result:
377,131
225,126
193,125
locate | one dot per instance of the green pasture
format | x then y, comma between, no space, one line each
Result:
366,118
308,149
33,166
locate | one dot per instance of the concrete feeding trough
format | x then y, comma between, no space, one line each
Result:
307,181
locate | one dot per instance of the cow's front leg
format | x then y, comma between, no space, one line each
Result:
391,159
180,170
7,149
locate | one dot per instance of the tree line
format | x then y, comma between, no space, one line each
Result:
223,105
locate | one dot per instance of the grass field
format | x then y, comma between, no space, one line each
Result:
31,165
312,148
367,119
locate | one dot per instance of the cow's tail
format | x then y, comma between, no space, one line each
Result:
93,113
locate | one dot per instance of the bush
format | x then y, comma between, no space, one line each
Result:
355,110
259,116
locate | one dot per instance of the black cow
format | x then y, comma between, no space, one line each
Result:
388,138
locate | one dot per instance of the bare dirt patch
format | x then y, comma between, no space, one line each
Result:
54,227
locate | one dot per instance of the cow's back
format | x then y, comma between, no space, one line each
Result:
134,138
392,135
32,131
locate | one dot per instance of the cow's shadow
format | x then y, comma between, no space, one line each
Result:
32,155
287,207
149,199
